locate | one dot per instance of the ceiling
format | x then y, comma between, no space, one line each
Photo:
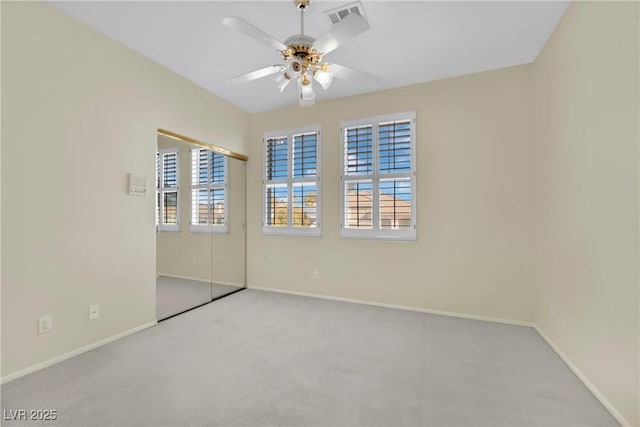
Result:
409,41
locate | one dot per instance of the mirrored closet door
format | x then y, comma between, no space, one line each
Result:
228,248
200,222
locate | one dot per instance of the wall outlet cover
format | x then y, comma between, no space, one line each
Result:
45,324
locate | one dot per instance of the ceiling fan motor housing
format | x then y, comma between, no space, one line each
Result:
300,46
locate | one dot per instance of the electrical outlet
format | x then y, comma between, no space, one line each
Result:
316,275
94,311
44,324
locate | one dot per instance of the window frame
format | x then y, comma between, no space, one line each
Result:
376,177
290,182
161,190
209,227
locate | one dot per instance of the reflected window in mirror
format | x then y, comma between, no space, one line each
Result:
209,195
167,182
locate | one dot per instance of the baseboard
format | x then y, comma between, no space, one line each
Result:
58,359
195,279
398,307
174,276
585,380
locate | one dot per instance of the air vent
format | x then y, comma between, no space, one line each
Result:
338,14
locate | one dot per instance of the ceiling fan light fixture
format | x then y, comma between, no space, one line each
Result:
303,54
306,91
293,68
308,102
324,78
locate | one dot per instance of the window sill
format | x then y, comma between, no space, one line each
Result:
289,232
403,236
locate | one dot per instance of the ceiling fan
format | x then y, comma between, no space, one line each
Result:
303,54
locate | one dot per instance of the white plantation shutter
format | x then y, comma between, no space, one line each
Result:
277,162
305,155
167,181
208,191
359,204
395,203
394,143
378,178
292,182
277,205
358,173
305,180
395,194
276,171
359,150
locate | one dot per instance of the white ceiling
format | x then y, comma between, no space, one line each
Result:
409,41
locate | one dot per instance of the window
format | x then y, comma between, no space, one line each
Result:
209,200
378,177
292,182
167,181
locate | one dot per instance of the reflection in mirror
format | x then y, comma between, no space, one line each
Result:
228,249
200,214
183,258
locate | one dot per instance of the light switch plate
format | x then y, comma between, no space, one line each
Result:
94,311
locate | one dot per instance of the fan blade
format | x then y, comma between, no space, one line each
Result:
252,31
257,74
343,72
350,27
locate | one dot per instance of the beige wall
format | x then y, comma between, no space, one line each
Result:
217,257
474,186
80,112
587,302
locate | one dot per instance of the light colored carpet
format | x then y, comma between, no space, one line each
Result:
258,358
177,295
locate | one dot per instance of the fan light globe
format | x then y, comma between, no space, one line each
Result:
306,91
324,78
293,68
307,102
